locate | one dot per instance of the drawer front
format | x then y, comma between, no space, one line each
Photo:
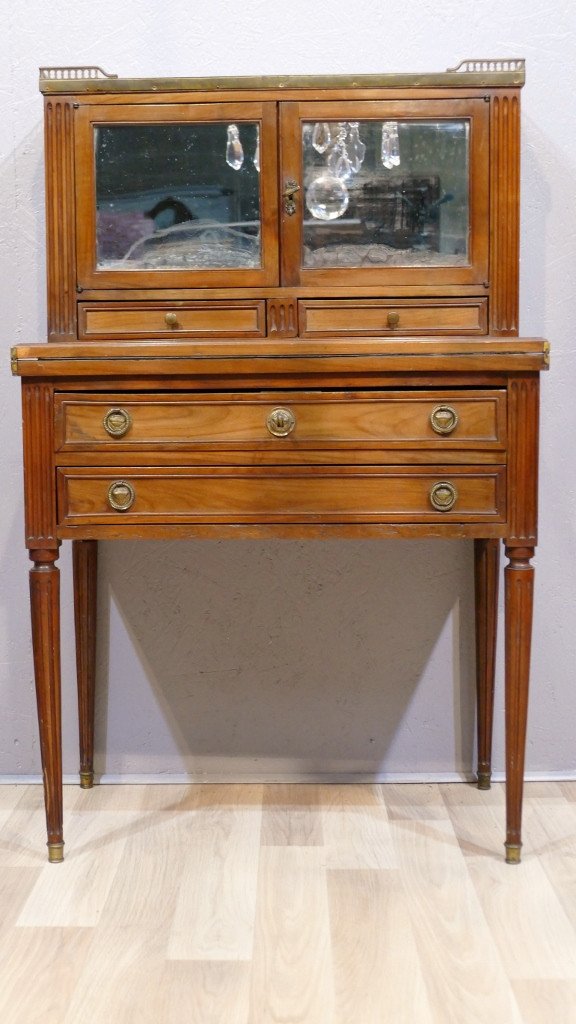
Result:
280,495
432,419
226,319
373,317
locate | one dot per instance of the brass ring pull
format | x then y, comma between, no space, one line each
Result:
281,422
444,419
117,422
121,495
443,496
393,319
171,320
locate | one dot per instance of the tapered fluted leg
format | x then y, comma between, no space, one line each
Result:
486,569
45,609
85,557
519,587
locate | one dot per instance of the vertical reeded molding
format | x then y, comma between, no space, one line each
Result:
282,318
39,475
504,212
523,408
59,144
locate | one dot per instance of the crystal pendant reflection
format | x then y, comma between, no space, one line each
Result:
234,151
327,197
256,157
321,137
356,148
390,145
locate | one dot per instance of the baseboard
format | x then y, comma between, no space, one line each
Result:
337,778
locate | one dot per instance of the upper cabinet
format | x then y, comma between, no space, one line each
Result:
280,201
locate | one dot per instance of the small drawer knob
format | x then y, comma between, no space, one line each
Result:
393,319
444,419
281,422
121,495
171,319
117,422
443,496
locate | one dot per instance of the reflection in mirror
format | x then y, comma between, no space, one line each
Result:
386,193
169,197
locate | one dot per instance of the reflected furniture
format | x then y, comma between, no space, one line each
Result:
282,307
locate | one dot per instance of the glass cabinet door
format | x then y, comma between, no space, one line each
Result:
181,195
386,190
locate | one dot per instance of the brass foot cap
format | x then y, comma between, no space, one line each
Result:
484,780
513,852
55,853
86,780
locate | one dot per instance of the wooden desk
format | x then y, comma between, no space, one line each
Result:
292,398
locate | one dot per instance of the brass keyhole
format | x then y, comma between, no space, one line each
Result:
281,422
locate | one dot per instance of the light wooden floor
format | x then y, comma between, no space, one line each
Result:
293,904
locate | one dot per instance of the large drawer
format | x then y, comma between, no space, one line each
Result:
335,318
280,495
242,318
433,419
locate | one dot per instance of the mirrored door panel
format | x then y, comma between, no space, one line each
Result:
186,194
390,188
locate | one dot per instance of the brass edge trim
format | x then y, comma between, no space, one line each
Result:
445,79
546,350
254,357
14,361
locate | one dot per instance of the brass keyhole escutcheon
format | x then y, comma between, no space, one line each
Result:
121,495
444,419
117,422
281,422
393,319
443,496
291,187
171,320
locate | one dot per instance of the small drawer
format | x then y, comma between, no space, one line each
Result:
226,319
334,318
280,495
302,420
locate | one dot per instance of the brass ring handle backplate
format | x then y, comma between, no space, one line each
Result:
281,422
443,496
117,422
444,419
121,495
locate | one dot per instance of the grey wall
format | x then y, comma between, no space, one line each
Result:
243,660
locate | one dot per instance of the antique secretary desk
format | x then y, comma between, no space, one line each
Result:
282,307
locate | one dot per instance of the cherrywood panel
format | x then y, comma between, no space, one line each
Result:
60,225
245,319
292,358
347,318
359,419
504,212
215,494
283,531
